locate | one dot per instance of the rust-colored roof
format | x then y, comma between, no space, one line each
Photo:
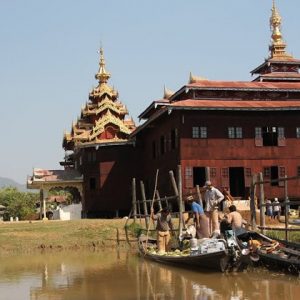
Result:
282,74
228,104
208,84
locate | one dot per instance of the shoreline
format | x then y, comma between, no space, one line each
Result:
28,237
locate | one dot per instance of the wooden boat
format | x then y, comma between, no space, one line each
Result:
273,254
217,260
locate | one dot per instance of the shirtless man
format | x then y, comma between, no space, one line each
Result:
235,219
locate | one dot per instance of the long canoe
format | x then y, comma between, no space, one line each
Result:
275,254
216,261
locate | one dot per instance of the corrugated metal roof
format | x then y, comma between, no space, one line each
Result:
244,85
228,104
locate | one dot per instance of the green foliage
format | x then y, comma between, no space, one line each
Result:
18,204
134,228
293,236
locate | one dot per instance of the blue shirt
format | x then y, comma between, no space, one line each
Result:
197,208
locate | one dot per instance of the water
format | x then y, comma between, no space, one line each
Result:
124,275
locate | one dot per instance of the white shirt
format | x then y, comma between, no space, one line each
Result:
212,198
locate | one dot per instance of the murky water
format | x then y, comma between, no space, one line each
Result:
124,275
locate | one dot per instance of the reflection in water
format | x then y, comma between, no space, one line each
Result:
124,275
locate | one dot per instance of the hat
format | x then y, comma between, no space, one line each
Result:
276,199
208,183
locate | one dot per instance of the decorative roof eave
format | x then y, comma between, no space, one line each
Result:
153,117
152,107
105,143
268,62
107,119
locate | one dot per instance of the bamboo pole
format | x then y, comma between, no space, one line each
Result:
158,199
134,199
179,176
252,203
287,208
261,202
181,204
199,195
144,204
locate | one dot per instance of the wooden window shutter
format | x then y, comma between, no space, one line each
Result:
225,177
188,177
281,174
213,175
247,177
281,137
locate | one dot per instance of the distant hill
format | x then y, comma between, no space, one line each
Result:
6,182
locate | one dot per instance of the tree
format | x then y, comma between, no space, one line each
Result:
18,204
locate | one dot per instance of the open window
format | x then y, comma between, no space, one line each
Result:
269,136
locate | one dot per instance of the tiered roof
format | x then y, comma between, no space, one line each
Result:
280,65
277,87
102,119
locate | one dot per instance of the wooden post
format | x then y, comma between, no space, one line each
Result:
41,203
45,195
178,198
144,204
207,173
173,182
252,202
286,207
158,199
199,195
179,176
262,201
134,199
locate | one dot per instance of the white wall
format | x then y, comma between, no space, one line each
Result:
69,212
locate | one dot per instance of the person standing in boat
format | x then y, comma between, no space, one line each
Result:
213,197
163,226
200,219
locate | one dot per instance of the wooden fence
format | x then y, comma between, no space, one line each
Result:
258,181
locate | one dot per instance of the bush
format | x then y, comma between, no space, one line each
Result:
18,204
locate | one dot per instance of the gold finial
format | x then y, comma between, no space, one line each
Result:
167,93
102,76
194,79
277,47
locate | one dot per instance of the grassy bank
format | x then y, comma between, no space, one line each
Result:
87,234
25,237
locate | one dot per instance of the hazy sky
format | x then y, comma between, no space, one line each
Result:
49,59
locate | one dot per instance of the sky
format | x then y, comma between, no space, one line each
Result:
49,58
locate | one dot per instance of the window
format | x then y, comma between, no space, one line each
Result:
188,177
203,132
274,173
173,139
298,132
92,183
213,172
281,132
195,132
270,136
258,132
199,132
235,132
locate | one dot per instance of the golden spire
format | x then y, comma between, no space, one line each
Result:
102,76
277,47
